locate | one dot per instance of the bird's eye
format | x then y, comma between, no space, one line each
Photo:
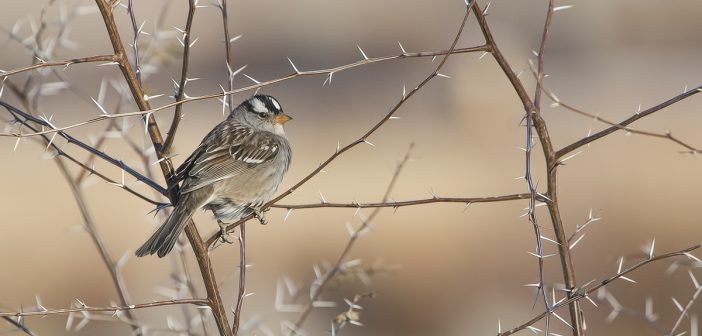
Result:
262,115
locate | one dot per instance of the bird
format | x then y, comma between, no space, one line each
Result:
234,171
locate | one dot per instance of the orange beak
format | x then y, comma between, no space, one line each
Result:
282,118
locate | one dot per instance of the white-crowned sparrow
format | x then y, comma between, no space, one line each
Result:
235,170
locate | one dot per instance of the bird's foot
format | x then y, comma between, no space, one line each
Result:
226,238
261,217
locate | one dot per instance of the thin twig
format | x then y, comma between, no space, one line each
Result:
621,125
667,135
119,163
178,115
113,309
242,280
399,204
65,64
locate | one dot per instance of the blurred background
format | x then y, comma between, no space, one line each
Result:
440,269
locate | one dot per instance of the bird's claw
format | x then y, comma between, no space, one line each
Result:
226,238
261,218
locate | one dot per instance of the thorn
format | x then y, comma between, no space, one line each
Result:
369,143
293,66
252,79
235,38
287,214
99,106
362,53
401,47
556,9
442,75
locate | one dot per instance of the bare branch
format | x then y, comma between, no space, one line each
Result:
114,309
622,125
66,63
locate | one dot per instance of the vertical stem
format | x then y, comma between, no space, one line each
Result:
242,279
199,248
551,166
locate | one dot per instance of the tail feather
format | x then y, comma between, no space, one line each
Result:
163,240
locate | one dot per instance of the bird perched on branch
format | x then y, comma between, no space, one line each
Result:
234,171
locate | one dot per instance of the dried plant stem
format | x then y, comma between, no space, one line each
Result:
178,115
199,249
582,293
66,63
115,309
667,135
551,166
588,139
399,204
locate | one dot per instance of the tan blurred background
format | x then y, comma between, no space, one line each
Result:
450,271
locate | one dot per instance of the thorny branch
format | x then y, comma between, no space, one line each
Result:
115,309
551,163
399,204
582,293
178,115
329,72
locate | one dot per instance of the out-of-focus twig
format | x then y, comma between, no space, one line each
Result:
113,309
338,267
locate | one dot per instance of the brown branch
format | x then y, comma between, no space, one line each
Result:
582,293
551,161
150,111
622,125
399,204
212,239
197,302
178,115
199,249
66,63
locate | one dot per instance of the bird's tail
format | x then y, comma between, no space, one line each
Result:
163,240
